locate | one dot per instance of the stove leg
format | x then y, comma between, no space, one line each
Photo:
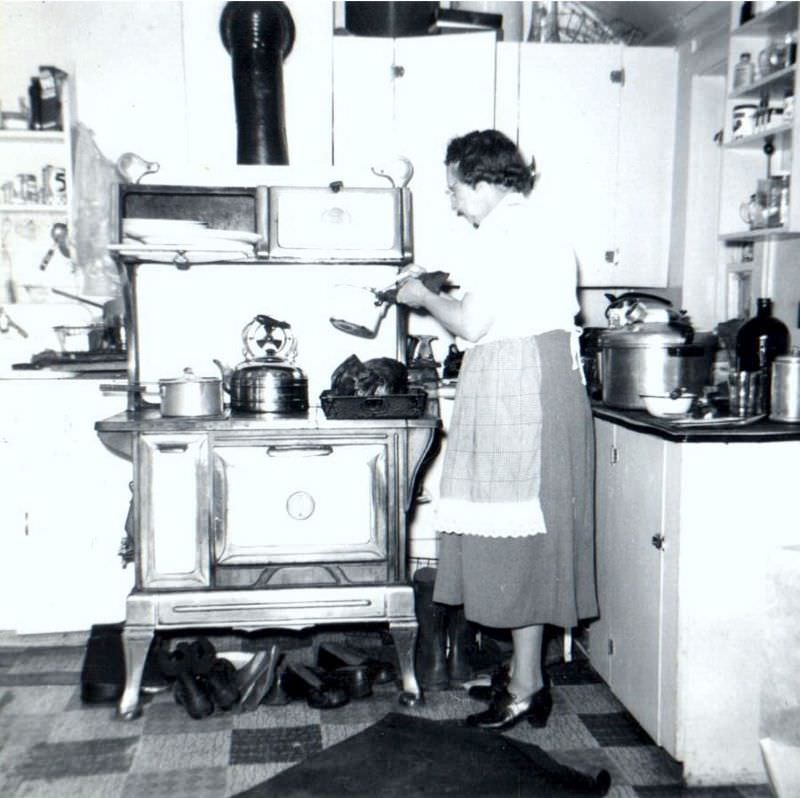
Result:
136,642
405,642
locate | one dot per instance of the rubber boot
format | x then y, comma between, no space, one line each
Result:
430,662
461,639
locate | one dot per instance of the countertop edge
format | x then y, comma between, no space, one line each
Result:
764,431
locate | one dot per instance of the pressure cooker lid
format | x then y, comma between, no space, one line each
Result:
649,335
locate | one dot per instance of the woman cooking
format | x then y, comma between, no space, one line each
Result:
516,508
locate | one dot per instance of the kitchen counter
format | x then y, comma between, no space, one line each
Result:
762,431
686,524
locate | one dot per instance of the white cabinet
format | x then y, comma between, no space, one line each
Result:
408,97
684,532
63,508
600,122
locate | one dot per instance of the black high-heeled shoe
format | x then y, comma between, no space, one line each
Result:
541,707
499,681
506,710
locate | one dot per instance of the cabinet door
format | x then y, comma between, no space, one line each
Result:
408,97
363,100
65,500
644,173
173,507
444,88
634,570
599,120
606,503
569,121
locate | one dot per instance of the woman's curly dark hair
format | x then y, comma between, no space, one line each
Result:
490,156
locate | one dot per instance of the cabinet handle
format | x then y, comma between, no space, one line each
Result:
398,71
617,76
172,447
614,455
612,256
303,451
657,541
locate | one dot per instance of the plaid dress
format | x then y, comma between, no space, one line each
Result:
517,502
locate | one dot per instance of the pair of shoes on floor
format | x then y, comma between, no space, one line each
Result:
506,710
356,670
342,673
203,681
319,689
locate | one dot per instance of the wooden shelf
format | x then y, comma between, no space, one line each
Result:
783,77
774,20
762,234
756,141
32,207
28,136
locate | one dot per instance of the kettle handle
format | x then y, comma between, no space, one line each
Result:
226,375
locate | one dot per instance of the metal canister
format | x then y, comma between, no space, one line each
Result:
54,185
785,390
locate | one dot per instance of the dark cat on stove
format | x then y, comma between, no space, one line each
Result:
380,376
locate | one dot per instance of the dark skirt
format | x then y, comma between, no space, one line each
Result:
508,582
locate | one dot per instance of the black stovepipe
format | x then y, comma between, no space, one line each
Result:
258,36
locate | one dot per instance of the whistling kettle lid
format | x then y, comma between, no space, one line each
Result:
272,365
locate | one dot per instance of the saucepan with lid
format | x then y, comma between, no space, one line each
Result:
191,395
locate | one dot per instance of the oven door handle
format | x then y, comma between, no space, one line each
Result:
301,450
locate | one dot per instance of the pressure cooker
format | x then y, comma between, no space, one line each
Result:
653,358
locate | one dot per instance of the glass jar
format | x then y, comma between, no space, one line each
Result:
744,71
778,200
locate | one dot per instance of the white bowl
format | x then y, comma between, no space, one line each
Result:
664,406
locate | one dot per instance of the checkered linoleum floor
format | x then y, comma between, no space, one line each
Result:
54,746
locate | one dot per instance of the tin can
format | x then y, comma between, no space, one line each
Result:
54,185
744,120
785,395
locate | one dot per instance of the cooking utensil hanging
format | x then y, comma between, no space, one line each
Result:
362,309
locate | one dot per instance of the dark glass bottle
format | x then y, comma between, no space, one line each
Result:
761,339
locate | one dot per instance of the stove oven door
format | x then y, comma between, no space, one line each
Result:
303,504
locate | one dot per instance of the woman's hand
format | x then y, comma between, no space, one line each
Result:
412,293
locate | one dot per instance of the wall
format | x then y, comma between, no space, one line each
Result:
155,78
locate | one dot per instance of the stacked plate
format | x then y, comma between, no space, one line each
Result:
163,239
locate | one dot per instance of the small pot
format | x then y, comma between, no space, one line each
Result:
191,396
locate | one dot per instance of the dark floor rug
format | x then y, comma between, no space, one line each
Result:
407,756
